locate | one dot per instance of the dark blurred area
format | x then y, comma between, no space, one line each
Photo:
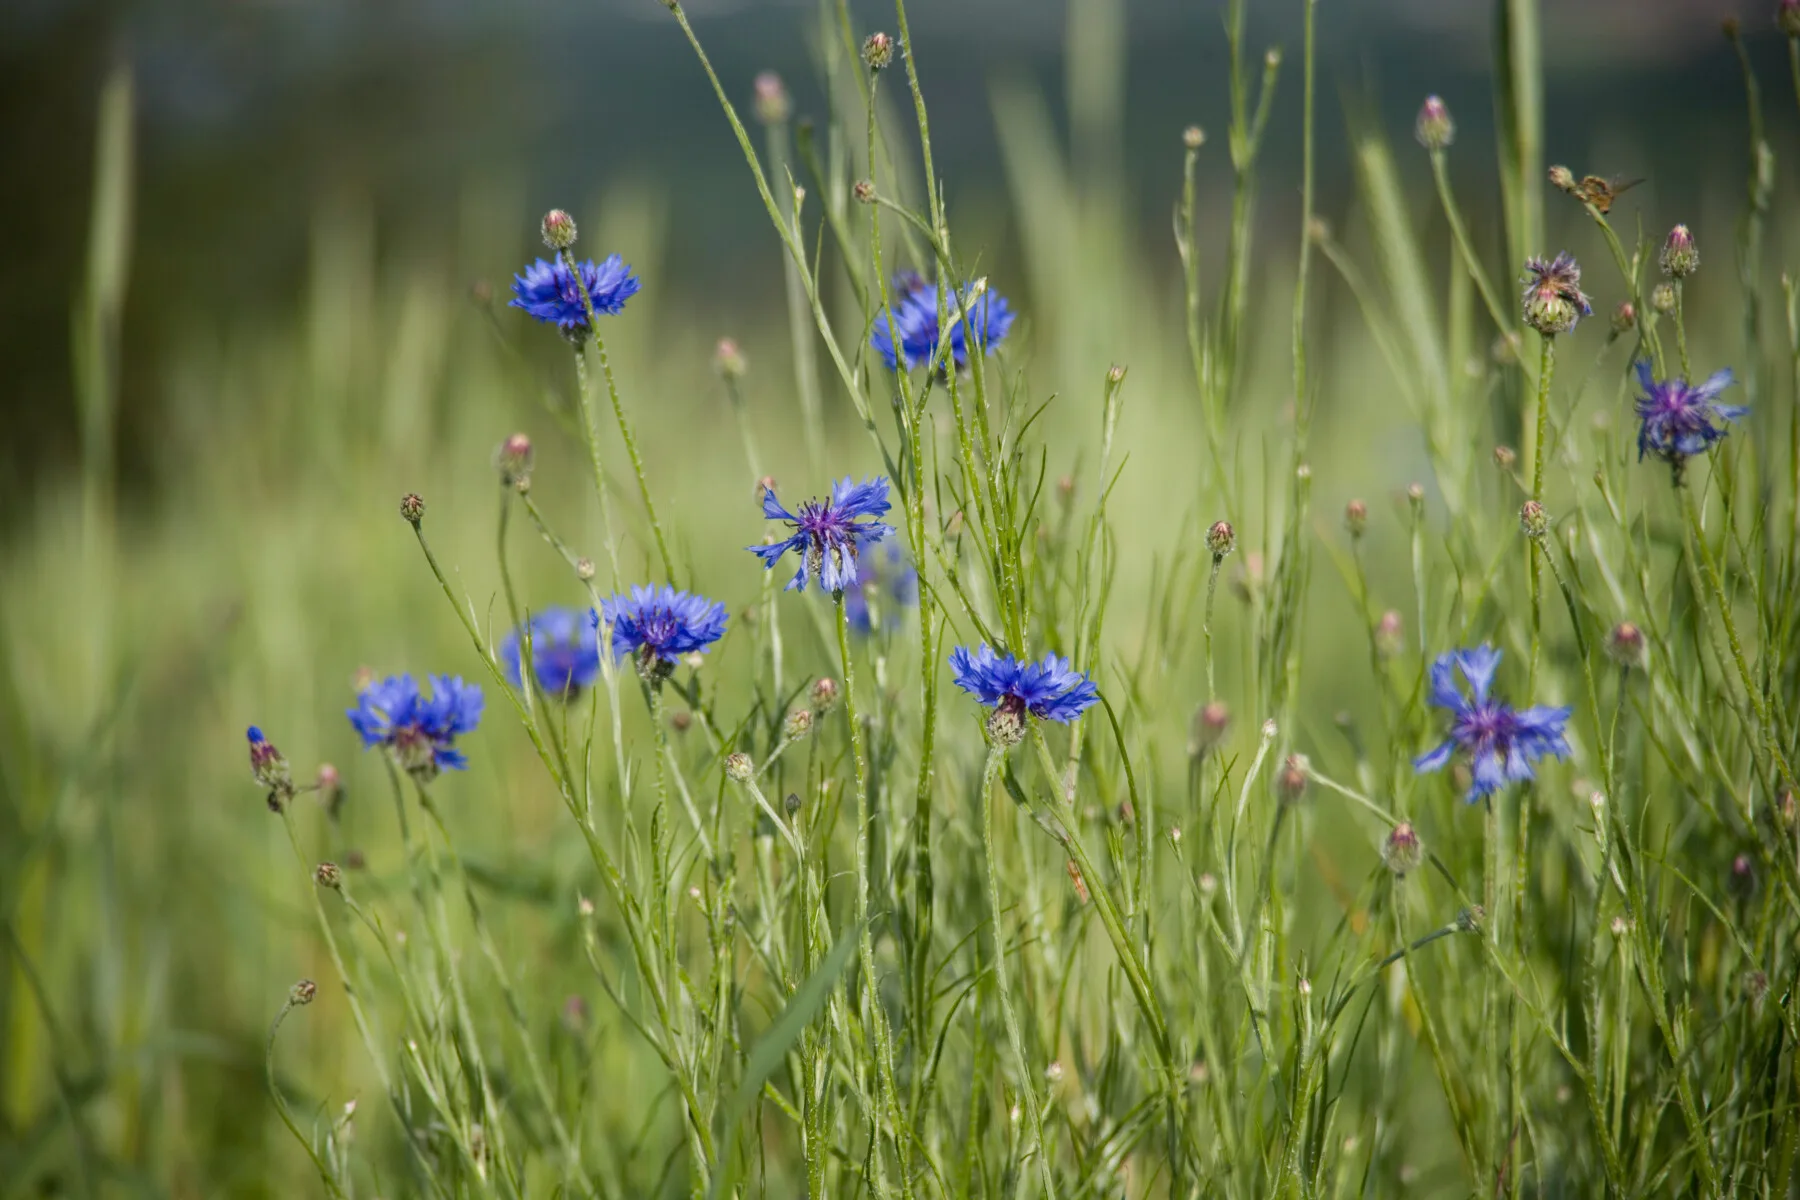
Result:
253,113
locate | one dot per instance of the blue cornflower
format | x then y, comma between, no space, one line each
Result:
1679,418
565,654
1051,690
419,730
547,291
827,536
1502,742
907,334
888,580
659,624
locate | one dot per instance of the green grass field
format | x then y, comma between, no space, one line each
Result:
1135,955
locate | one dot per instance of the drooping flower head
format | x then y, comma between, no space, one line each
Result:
548,291
420,731
906,335
827,535
1553,298
659,625
1501,742
887,585
1681,419
565,654
1051,690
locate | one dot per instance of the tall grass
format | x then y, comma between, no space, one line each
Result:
1180,946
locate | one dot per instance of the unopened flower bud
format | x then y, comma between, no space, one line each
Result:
270,769
1290,781
1194,137
1402,852
331,788
1625,643
558,229
1743,876
1624,318
771,102
824,695
1210,724
584,569
791,805
1415,494
1434,128
1619,926
1389,632
1562,178
1662,298
1221,539
327,875
1533,520
1680,256
799,723
512,458
681,721
1356,517
738,766
864,191
728,360
877,51
302,992
1505,457
412,507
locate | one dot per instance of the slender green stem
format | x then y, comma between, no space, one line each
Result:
618,406
326,1174
1212,587
1033,1113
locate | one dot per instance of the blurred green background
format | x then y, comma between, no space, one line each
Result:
297,315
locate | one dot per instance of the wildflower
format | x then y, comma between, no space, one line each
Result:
799,723
729,360
302,993
771,99
1562,179
1624,318
1402,852
1505,457
1290,781
1210,724
659,624
826,533
565,653
584,569
548,291
1221,539
269,768
1051,690
1389,631
1501,741
864,191
738,766
558,229
1193,137
512,459
1681,419
906,335
887,584
1625,644
1356,517
878,51
1553,298
1534,522
412,509
824,695
1662,298
331,789
419,731
1680,257
327,875
1434,128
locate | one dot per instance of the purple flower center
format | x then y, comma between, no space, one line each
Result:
1486,727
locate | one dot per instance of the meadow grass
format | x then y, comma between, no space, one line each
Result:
1216,935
